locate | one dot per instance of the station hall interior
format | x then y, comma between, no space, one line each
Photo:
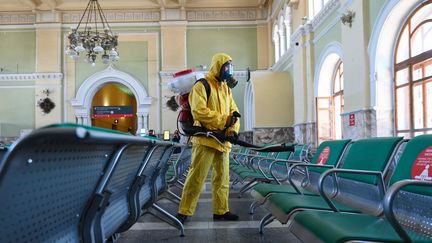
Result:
308,71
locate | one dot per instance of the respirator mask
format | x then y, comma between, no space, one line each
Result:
227,74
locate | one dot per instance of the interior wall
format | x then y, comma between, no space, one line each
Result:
16,114
238,42
274,103
17,51
133,60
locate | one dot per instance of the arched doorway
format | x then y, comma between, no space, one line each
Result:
86,92
114,107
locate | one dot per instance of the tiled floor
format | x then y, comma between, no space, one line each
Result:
202,228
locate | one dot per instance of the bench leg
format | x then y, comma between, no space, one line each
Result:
174,195
265,221
246,187
253,206
174,220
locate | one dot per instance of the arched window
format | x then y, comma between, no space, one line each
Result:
276,42
329,94
315,7
413,75
282,38
287,25
338,101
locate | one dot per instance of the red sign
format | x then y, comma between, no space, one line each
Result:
421,167
324,155
111,115
352,120
112,111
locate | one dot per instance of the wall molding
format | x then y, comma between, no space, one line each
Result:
225,14
17,18
31,76
116,16
284,62
357,111
328,10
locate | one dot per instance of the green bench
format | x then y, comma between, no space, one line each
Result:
406,203
328,155
370,158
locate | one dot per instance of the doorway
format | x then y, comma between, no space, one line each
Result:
114,106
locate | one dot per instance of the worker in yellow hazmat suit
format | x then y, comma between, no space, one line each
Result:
215,114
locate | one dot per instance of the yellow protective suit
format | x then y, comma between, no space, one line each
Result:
212,114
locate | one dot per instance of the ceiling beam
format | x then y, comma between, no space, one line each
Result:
29,3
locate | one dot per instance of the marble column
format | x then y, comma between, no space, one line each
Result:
272,135
359,124
305,133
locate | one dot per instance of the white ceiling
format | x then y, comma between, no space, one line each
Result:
64,5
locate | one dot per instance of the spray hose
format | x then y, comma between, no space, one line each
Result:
221,138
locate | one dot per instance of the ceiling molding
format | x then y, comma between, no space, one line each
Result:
118,16
17,18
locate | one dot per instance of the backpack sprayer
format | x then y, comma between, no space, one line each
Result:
182,84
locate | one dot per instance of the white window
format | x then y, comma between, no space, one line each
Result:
276,42
413,75
329,109
315,6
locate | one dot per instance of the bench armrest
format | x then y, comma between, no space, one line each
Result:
378,174
388,204
288,163
303,165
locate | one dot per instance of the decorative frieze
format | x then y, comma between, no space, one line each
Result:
19,18
223,14
331,7
117,16
31,76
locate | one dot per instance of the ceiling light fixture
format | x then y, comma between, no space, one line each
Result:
96,37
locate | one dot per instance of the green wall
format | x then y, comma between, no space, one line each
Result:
238,42
333,35
133,60
18,51
372,8
16,113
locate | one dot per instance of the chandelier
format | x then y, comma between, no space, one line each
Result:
96,37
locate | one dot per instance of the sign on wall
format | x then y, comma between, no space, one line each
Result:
352,120
112,111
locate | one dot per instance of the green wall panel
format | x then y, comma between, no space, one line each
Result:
238,42
133,60
333,35
372,9
18,51
16,113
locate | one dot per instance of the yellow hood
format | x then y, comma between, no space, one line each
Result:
216,64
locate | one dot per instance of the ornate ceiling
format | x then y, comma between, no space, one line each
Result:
67,5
